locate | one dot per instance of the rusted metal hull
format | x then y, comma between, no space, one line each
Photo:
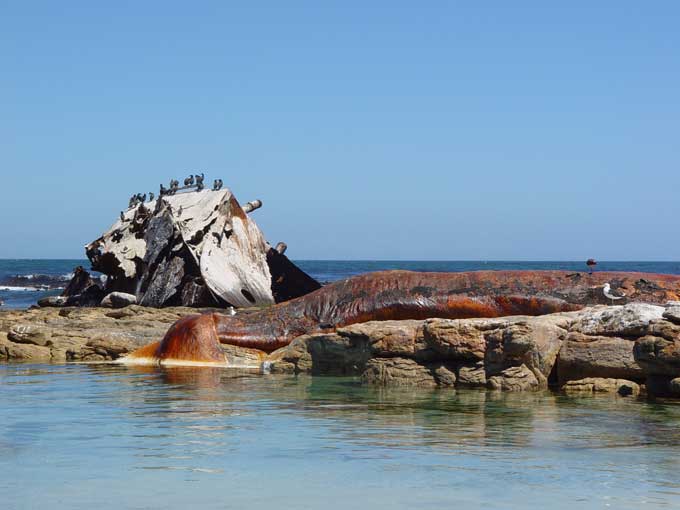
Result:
400,295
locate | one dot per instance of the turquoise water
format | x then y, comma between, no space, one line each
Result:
56,271
102,436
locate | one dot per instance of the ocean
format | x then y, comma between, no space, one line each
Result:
82,436
24,281
112,437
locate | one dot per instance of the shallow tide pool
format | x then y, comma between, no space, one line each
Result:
105,436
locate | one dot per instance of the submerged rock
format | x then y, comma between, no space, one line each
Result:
398,372
602,385
519,378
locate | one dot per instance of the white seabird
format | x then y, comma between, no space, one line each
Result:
607,290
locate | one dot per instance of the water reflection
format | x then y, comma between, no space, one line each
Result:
232,429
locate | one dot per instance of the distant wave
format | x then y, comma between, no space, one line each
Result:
34,282
8,288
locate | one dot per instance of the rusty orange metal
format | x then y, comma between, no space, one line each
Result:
403,295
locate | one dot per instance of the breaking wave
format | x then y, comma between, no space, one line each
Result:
34,282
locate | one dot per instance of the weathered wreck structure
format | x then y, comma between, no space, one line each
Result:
402,295
197,248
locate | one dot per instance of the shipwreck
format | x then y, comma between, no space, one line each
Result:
190,246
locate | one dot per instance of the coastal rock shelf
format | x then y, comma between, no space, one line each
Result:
615,349
597,349
59,335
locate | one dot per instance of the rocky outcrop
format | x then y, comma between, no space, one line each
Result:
92,334
616,349
632,343
584,356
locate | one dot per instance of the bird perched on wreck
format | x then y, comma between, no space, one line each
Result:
163,191
151,196
217,184
189,181
199,182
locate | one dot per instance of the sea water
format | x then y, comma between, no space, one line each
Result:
79,436
112,437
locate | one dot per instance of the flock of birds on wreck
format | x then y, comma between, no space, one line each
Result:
193,181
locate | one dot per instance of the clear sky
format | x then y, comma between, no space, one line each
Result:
370,129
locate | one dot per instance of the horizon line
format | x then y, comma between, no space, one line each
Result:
401,260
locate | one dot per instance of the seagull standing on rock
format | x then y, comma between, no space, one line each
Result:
609,294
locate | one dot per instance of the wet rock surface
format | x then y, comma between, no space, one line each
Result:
621,387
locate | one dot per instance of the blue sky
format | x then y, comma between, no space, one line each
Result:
370,130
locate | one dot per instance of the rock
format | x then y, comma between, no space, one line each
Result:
52,301
243,357
328,354
472,375
674,386
83,290
22,352
89,334
118,300
398,372
444,374
664,329
29,334
659,386
456,339
602,385
584,356
532,343
507,353
519,378
628,320
391,338
672,312
658,356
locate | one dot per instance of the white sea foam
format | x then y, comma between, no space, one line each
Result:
19,289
